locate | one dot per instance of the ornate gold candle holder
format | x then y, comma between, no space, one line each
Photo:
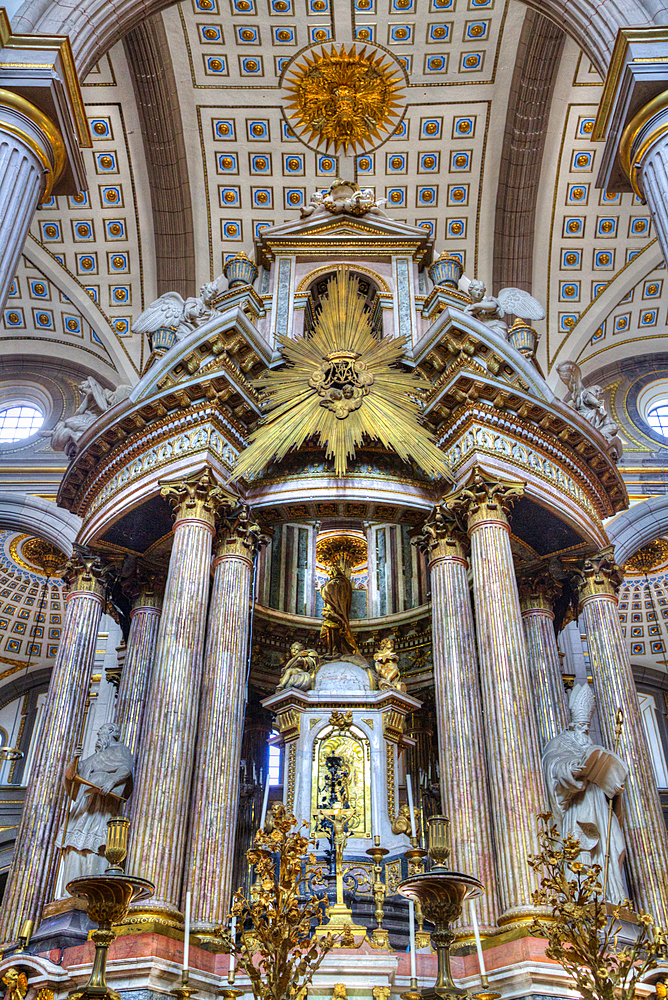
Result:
108,897
415,858
380,937
441,894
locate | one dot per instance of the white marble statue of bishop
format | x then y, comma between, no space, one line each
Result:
581,780
97,786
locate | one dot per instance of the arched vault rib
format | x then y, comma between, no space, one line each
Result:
95,25
150,63
538,54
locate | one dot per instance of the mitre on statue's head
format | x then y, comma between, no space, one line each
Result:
581,703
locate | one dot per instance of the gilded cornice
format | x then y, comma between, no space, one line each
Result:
604,490
85,480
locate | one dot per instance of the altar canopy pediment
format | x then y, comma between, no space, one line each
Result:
344,224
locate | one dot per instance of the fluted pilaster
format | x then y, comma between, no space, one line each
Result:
32,157
537,593
516,780
461,744
215,795
142,639
643,826
165,763
33,870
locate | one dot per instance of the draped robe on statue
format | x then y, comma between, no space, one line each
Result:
581,778
337,596
84,836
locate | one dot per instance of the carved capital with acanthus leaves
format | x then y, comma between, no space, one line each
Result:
598,576
197,498
239,534
484,497
443,535
538,590
146,588
84,572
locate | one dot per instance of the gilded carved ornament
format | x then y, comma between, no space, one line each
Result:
85,571
484,497
443,534
342,387
240,534
537,590
197,498
599,575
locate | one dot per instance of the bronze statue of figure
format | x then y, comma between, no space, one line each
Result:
337,595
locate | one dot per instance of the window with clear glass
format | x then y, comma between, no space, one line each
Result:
19,422
657,418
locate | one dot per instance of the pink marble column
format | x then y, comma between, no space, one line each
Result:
643,826
461,743
165,762
133,689
32,875
536,595
516,782
215,793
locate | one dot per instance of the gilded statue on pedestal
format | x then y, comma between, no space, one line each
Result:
387,667
98,787
582,778
337,595
300,670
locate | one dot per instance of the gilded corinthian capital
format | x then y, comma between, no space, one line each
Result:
197,498
484,498
443,534
537,590
598,575
85,571
239,533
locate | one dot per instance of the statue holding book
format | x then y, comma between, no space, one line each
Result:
98,787
585,784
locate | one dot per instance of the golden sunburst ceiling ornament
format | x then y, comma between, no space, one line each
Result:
341,386
343,99
648,557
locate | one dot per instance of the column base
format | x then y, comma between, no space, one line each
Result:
159,917
518,917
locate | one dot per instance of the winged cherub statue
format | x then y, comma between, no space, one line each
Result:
184,315
492,310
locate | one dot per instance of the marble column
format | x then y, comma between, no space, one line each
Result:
644,827
215,793
165,763
32,158
537,593
643,153
33,870
146,592
515,776
461,744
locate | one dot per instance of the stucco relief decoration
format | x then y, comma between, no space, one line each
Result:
341,386
342,99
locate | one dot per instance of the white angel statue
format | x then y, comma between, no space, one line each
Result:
95,401
588,402
184,315
491,310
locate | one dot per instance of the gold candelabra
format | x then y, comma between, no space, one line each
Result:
441,893
379,938
108,897
415,858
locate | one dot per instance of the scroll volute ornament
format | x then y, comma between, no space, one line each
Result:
197,498
598,575
537,590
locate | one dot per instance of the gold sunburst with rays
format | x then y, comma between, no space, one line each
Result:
341,386
343,99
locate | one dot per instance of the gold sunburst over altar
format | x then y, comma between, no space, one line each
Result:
343,99
342,386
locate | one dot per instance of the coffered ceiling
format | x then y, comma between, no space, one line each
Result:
193,156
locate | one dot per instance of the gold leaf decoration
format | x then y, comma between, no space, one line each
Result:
342,387
343,98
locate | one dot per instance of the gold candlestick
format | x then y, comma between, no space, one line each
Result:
413,993
183,992
415,858
379,938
